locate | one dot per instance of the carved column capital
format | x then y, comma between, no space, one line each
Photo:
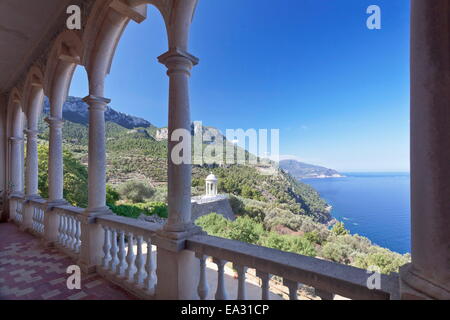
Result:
178,61
54,122
96,103
31,133
16,140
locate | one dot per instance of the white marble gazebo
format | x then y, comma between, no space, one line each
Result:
211,185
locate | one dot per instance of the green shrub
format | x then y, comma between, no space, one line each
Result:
214,224
75,177
136,191
339,229
245,229
153,208
386,260
112,196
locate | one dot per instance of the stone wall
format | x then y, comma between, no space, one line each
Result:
219,205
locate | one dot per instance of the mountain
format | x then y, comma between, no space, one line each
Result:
301,170
76,110
137,150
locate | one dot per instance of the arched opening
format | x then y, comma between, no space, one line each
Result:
136,119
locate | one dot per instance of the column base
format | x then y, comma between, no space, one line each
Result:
415,287
92,235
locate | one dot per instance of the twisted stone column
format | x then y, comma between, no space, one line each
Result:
429,274
55,161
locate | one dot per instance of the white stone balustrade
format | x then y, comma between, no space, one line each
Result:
38,220
128,258
325,276
69,229
33,211
19,213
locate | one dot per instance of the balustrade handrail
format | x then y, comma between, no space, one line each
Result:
137,227
68,209
37,202
16,196
347,281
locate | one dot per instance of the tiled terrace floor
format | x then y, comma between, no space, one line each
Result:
31,271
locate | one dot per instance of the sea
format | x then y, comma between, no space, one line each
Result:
374,205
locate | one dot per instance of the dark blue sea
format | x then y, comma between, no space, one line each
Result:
374,205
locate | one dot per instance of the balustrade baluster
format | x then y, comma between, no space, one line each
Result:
203,288
106,248
60,228
139,261
114,260
130,258
77,235
65,237
293,288
242,292
150,280
120,268
265,277
69,232
221,293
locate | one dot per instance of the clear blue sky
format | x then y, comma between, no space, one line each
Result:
338,92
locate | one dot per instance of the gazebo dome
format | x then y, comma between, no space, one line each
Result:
211,178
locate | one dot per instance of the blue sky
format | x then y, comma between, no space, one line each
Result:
338,92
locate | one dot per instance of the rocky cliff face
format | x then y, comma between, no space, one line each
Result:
76,110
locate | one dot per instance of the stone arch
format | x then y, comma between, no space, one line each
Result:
16,116
16,120
103,31
33,96
178,15
65,55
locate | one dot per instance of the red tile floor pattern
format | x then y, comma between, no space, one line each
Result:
31,271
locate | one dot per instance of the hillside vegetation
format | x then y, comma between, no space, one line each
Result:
274,209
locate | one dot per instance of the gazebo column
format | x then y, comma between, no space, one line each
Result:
428,276
92,233
177,268
31,176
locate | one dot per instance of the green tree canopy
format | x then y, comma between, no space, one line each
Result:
75,177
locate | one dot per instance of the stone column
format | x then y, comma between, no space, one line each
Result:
15,183
179,65
16,165
178,269
91,233
428,276
31,177
55,179
55,161
97,153
31,170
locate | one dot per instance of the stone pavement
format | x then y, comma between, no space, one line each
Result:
31,271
